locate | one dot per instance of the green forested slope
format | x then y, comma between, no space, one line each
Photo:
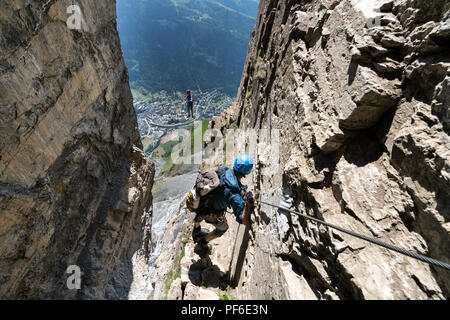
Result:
175,44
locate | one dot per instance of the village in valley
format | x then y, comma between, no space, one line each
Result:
159,113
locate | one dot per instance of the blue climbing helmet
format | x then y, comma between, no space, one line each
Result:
243,164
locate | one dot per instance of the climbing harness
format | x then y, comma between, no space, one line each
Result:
374,241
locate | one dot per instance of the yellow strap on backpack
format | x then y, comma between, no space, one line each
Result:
190,202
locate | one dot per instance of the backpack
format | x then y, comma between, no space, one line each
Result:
206,186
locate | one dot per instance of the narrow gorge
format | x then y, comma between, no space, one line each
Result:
358,93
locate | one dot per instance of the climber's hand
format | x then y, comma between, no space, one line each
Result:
250,198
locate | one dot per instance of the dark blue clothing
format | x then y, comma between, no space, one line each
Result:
229,195
190,103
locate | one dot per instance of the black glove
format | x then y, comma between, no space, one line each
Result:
249,198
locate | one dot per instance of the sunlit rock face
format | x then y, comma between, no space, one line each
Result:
75,188
359,91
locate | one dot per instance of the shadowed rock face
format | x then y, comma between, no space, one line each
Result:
361,102
75,188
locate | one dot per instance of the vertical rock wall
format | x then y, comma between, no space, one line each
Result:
75,188
360,93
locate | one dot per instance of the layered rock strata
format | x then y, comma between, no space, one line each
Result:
75,187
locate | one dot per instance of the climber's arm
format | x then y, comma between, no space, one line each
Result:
237,203
242,209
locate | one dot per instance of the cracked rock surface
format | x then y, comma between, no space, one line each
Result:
361,103
75,187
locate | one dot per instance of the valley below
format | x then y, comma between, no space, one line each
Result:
96,153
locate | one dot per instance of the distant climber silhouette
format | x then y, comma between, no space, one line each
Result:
190,104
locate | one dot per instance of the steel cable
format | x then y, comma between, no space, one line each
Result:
374,241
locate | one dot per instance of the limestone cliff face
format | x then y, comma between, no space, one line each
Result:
74,184
360,93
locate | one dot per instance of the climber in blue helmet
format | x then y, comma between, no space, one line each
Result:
231,193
